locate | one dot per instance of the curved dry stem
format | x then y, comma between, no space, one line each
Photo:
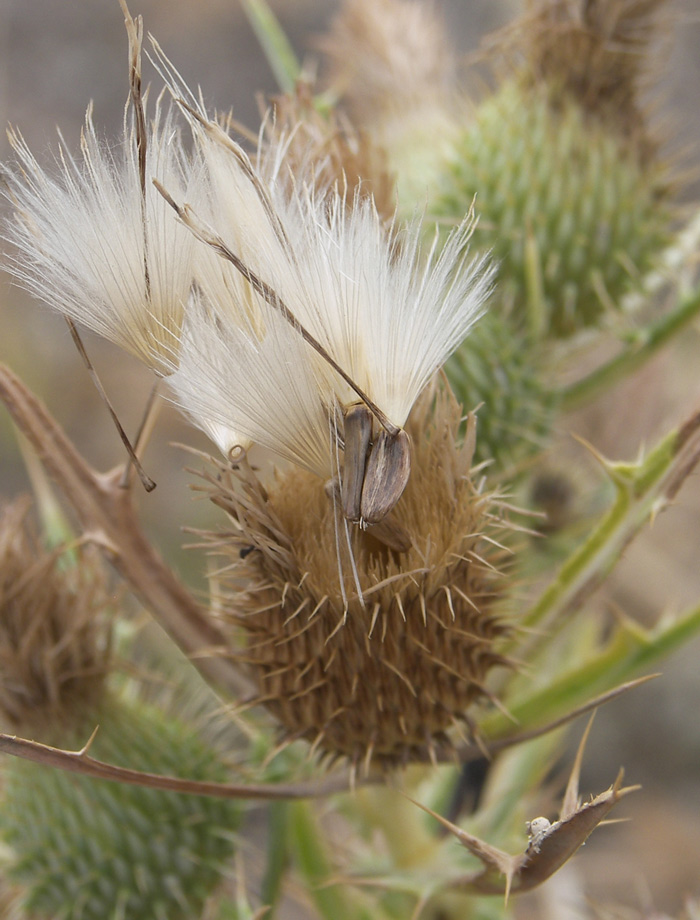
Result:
81,762
107,515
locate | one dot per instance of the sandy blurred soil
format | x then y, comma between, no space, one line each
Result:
57,55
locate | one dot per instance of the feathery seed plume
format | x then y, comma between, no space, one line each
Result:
304,260
96,241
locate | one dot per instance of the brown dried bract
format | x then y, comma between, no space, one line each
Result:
326,145
54,647
549,847
601,52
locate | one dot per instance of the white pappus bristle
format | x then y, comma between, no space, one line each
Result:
97,249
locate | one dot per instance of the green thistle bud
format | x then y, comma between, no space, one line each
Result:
567,207
493,370
571,198
77,847
94,849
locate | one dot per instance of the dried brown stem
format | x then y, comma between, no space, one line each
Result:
81,762
134,29
108,517
146,481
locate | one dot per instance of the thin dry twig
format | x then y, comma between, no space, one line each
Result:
81,762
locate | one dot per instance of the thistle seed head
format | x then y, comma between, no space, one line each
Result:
384,676
385,312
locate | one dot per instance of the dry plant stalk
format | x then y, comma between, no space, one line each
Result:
106,512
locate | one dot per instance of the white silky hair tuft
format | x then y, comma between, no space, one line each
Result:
245,384
102,244
96,248
386,314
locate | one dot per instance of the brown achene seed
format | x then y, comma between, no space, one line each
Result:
384,679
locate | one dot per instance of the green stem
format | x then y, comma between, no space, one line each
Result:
632,649
408,838
643,344
277,854
55,527
274,43
639,486
536,309
310,851
511,781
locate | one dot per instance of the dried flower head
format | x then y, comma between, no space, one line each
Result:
54,648
328,146
385,680
597,53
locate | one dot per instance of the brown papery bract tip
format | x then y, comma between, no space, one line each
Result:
603,53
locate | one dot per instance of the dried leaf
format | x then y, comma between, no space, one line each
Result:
550,846
559,843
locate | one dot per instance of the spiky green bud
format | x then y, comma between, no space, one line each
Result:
77,847
493,370
97,850
567,207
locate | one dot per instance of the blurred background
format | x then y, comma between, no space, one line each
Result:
56,57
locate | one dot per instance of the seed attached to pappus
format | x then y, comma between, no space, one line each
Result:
375,471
